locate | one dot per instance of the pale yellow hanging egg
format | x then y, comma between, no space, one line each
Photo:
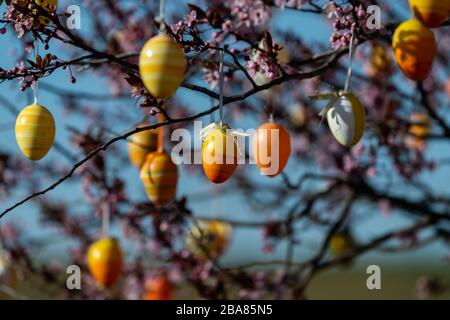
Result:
347,120
208,239
35,131
162,66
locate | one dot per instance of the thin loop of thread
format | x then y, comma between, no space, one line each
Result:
105,219
160,147
162,9
221,87
35,86
352,53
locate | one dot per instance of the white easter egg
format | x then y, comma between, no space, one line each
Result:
347,120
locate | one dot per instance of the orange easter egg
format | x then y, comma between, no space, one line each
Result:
208,239
35,131
447,88
140,145
414,48
432,13
272,148
105,261
419,131
162,66
160,176
159,288
219,155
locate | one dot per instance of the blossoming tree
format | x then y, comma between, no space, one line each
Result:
327,190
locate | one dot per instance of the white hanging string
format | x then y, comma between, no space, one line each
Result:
105,218
162,9
221,86
352,45
35,84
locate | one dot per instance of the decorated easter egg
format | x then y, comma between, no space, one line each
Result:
379,62
35,131
282,56
159,288
447,88
298,114
105,261
219,155
160,176
347,120
432,13
271,148
140,145
414,48
341,244
208,239
419,130
162,66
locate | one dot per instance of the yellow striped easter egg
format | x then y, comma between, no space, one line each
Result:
347,120
432,13
159,176
208,239
162,66
35,131
140,145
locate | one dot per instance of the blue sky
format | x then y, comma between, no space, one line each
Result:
309,27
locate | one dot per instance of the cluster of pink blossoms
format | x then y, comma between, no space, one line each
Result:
347,20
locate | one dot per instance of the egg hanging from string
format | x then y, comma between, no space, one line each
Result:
447,88
379,62
271,148
418,130
414,48
208,239
35,131
432,13
140,145
162,65
160,176
105,260
219,154
159,287
347,120
341,243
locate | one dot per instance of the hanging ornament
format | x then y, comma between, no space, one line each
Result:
219,149
447,88
159,176
345,115
35,131
140,145
379,62
219,152
271,155
418,131
159,287
432,13
208,239
414,48
341,243
105,261
282,56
